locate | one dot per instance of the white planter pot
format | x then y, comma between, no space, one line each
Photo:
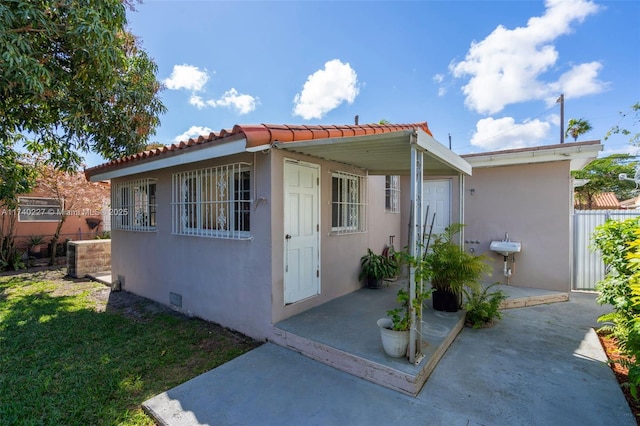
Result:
394,342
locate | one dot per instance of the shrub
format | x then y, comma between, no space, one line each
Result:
619,245
482,306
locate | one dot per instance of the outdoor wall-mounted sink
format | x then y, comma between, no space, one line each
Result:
505,248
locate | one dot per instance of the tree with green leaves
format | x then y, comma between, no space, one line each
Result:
602,175
634,138
17,177
74,80
577,127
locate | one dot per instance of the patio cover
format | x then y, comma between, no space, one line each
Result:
384,154
406,152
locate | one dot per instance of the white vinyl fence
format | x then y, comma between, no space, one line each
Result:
588,267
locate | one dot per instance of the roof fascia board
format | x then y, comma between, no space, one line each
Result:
436,149
496,159
181,158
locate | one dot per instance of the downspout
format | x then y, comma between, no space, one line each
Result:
461,185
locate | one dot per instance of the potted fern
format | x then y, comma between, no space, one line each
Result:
451,269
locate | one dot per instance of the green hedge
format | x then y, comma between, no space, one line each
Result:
619,244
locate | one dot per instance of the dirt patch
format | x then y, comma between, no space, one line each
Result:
123,302
610,346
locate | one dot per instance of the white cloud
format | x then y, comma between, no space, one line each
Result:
506,67
439,79
581,79
504,133
625,149
193,132
242,103
192,78
326,89
197,101
187,77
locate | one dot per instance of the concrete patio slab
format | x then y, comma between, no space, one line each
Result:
343,333
101,277
539,365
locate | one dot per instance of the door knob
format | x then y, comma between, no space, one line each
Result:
288,237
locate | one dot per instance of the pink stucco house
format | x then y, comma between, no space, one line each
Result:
256,224
253,225
528,194
84,205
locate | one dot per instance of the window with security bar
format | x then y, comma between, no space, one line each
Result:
348,203
392,194
213,202
133,205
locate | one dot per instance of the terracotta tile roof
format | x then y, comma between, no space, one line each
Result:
260,134
606,200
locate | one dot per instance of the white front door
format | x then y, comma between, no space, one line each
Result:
301,231
437,195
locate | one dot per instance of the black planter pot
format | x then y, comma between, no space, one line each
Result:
374,282
445,301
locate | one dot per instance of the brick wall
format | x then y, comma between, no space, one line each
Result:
88,257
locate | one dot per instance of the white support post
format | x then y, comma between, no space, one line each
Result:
415,250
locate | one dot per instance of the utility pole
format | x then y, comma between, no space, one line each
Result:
560,100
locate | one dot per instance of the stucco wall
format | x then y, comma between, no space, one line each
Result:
339,254
224,281
82,200
531,202
240,284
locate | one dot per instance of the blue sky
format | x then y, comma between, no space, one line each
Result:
487,73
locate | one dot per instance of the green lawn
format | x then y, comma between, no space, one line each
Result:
66,360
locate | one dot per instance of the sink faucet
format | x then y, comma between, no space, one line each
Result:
506,236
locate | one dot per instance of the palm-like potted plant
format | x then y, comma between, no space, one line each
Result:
34,242
451,269
375,267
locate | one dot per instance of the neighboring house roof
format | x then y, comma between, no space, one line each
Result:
580,154
631,203
605,200
71,186
259,137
